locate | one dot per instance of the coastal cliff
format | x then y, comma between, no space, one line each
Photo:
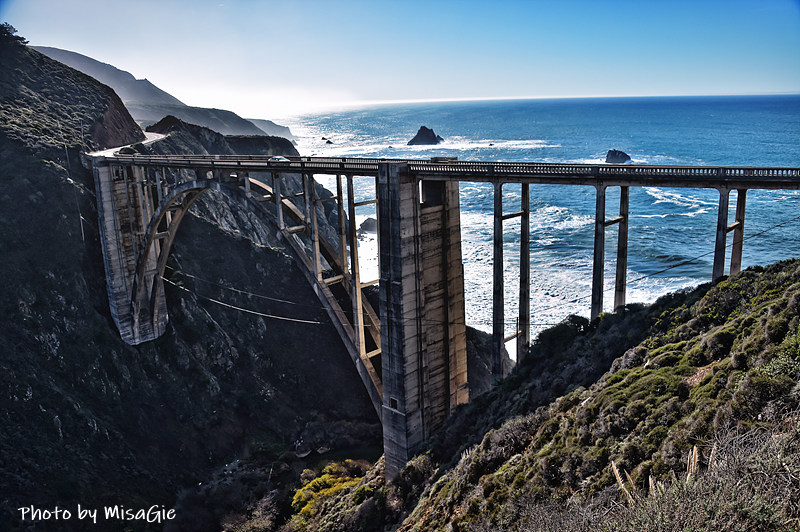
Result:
89,420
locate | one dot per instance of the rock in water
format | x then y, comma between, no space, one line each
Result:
617,156
425,136
370,225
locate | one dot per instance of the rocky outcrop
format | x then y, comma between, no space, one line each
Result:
271,128
617,156
183,137
370,225
425,136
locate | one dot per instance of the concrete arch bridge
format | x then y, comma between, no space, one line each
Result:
410,353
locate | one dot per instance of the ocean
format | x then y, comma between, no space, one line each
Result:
671,232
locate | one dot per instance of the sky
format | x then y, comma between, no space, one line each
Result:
271,59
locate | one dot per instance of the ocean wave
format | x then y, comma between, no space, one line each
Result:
311,141
662,216
681,199
556,218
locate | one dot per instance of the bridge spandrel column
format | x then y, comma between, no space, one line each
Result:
738,232
599,252
422,319
620,285
498,287
722,234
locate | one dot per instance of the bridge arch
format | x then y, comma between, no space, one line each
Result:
141,209
171,211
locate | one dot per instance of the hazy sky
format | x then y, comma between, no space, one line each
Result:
267,59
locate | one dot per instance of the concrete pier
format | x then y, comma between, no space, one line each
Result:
422,303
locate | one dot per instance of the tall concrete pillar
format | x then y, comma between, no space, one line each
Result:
276,190
498,287
524,328
722,233
599,251
738,232
423,340
622,250
355,274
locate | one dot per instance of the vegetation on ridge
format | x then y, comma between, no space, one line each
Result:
714,370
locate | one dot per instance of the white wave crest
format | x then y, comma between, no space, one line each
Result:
677,198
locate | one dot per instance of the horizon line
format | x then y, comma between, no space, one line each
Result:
370,103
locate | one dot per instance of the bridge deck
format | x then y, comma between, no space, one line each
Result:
633,175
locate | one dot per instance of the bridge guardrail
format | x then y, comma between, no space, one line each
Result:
551,173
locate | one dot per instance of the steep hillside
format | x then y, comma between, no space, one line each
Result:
148,104
45,106
125,85
711,374
85,418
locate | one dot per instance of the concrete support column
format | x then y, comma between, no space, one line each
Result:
307,186
622,250
315,231
738,232
355,275
722,233
342,228
400,327
126,177
159,177
599,251
423,331
276,190
524,328
498,290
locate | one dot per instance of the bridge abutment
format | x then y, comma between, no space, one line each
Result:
423,320
124,212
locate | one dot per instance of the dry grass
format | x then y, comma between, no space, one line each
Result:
750,482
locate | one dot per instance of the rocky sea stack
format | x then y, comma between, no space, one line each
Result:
617,156
425,136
